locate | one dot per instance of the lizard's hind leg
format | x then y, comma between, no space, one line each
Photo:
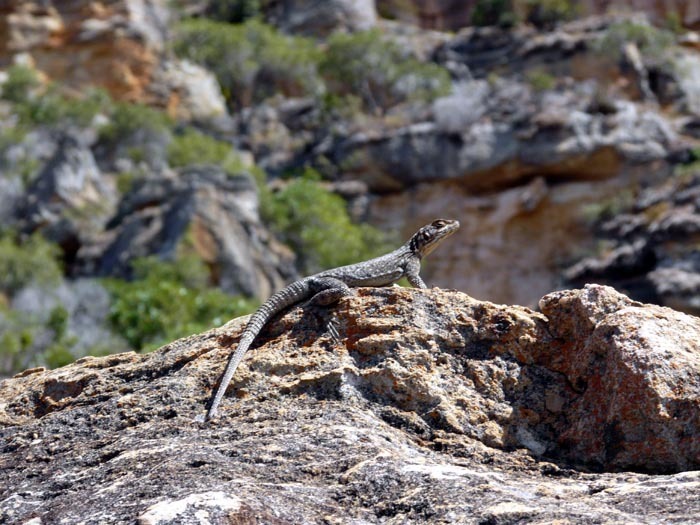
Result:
330,291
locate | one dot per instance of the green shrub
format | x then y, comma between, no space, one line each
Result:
37,105
21,80
252,61
494,13
168,300
378,71
547,13
651,41
33,261
540,80
127,118
233,11
192,147
53,107
315,222
17,334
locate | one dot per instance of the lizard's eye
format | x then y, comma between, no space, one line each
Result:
439,223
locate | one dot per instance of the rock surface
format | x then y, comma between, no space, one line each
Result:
648,246
119,46
433,408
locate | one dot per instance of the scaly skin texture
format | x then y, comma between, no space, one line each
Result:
330,286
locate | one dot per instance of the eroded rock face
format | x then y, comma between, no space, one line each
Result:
217,212
490,137
433,405
648,248
119,46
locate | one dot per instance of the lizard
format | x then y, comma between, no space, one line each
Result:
330,286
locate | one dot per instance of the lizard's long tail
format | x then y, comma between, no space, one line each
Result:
276,303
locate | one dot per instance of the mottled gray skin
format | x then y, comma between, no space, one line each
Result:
330,286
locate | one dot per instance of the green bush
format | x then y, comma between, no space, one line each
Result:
651,41
33,261
127,118
37,105
494,13
540,80
21,81
378,71
315,222
547,13
252,61
233,11
192,147
16,337
168,300
53,107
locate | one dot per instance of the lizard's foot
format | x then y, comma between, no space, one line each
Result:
333,330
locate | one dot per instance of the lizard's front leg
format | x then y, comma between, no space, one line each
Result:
412,269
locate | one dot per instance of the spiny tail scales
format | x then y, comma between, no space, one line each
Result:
275,304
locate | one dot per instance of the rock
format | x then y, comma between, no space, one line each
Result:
322,18
119,46
650,246
434,406
113,46
69,199
192,92
516,134
219,215
639,402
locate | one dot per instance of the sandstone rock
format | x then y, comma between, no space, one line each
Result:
217,210
120,46
113,46
434,406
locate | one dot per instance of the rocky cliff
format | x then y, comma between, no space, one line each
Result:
433,407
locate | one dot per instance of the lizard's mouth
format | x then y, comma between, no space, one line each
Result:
444,228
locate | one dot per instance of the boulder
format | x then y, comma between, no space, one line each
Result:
636,373
431,406
191,92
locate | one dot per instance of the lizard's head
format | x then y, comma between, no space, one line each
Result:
429,236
